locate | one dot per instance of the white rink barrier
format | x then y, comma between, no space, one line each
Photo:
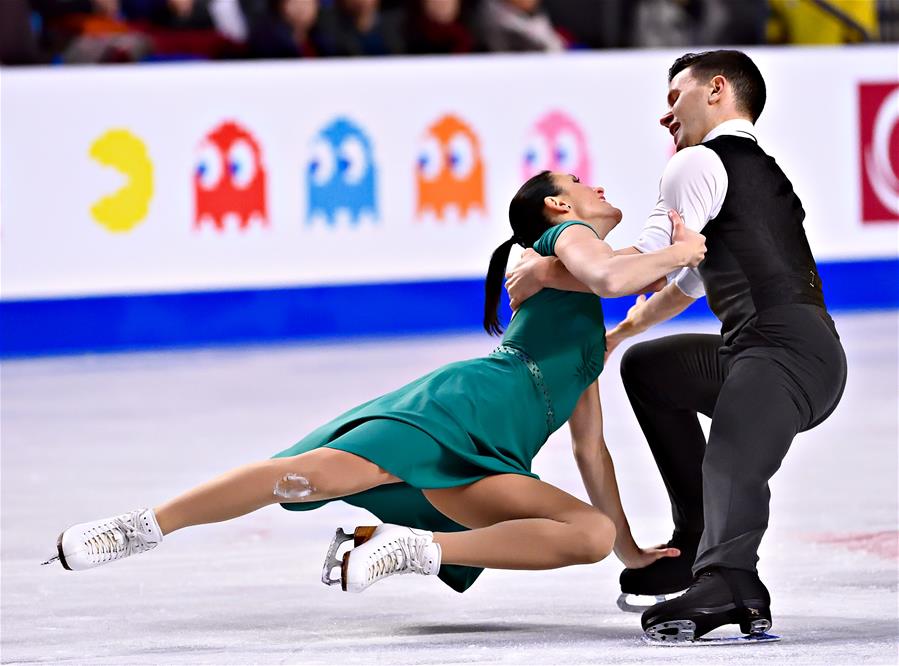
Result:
267,178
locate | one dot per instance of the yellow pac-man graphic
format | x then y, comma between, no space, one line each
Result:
126,208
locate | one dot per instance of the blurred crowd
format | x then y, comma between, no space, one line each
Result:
101,31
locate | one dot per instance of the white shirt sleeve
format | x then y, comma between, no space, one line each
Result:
689,282
694,183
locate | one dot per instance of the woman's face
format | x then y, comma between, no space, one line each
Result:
588,203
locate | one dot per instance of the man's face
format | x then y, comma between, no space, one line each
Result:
689,113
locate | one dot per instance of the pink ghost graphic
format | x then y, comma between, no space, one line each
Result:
556,143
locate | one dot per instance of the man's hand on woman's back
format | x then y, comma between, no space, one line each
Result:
527,277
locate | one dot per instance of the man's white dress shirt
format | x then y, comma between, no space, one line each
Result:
694,183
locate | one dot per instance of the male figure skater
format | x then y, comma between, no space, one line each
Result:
777,368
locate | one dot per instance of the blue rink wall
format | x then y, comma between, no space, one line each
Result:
311,313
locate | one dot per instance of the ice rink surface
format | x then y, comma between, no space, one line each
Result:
90,436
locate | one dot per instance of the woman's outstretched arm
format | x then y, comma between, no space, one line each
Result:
598,473
592,262
534,272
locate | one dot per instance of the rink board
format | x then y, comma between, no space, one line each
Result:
342,198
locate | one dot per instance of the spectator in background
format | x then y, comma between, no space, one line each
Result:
666,23
359,27
436,26
18,45
661,23
133,30
228,18
836,22
190,29
287,31
89,31
592,25
888,20
728,22
517,25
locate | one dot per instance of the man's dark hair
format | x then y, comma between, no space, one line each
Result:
736,67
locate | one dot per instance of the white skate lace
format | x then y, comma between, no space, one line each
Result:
404,555
105,547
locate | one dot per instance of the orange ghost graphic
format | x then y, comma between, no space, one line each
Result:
450,170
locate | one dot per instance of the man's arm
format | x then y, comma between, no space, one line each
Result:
648,312
694,184
534,272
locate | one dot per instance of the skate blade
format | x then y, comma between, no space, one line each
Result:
637,603
359,536
60,556
680,633
331,561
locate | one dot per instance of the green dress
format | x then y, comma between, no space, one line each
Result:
470,419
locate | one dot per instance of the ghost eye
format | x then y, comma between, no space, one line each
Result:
461,155
352,160
536,155
322,162
241,164
430,159
568,151
209,166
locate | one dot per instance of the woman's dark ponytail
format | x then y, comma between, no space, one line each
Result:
529,222
493,287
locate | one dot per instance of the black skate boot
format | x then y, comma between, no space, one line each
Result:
718,596
664,577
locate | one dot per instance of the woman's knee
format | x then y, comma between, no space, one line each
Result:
326,473
594,537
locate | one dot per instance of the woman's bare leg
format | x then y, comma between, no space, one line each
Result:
319,474
518,522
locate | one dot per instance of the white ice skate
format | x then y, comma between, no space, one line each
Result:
88,545
379,552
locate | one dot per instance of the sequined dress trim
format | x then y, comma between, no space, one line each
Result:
537,376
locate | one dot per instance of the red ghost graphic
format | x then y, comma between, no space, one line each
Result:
229,178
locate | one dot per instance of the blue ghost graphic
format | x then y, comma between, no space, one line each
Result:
341,175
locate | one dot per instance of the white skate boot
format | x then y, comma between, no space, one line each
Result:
380,552
88,545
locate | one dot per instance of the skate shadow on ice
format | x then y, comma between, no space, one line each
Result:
835,630
570,632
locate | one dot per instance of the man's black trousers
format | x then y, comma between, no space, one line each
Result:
783,373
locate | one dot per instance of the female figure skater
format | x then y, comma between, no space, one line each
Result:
445,461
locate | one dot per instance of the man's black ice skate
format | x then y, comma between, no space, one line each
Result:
717,597
661,580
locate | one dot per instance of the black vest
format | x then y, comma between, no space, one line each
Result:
758,256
